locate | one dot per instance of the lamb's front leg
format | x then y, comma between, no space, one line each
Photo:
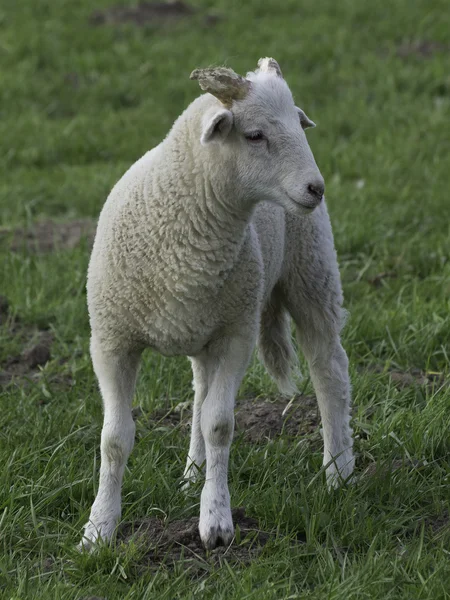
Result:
116,373
226,363
196,456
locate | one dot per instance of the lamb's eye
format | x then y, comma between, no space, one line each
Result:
255,136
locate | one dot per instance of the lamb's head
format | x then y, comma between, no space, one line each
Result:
257,133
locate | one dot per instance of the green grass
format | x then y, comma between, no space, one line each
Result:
79,104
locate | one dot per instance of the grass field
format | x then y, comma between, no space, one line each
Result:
84,96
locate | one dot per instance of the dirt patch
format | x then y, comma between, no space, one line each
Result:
256,420
421,49
413,377
377,280
162,418
4,309
36,354
259,420
151,13
211,20
406,379
72,80
143,13
35,344
47,236
180,540
439,524
391,467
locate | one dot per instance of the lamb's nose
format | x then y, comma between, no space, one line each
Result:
316,189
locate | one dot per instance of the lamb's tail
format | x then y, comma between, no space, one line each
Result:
275,346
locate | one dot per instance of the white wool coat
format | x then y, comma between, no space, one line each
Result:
171,266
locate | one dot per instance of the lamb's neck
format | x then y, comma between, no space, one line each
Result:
208,221
215,218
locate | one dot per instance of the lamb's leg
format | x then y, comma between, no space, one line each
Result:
226,363
328,366
196,456
116,374
312,293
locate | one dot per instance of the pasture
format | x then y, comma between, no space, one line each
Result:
86,88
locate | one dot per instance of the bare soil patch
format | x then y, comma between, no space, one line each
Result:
412,377
256,419
378,279
35,345
396,465
421,48
151,13
48,236
4,309
168,543
259,420
142,13
36,353
439,524
161,418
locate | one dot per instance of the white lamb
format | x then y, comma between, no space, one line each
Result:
205,248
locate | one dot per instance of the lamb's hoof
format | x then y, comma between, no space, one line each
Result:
96,534
216,529
186,485
191,476
339,473
85,545
189,479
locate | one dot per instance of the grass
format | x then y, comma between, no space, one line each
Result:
79,104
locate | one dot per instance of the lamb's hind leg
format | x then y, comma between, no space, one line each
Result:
196,456
313,296
116,374
328,366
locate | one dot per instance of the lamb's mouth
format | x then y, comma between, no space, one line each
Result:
305,207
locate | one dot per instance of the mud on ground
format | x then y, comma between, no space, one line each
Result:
412,377
421,48
259,420
256,419
146,13
41,237
36,350
36,353
172,542
48,235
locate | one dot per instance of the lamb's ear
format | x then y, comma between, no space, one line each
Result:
305,122
217,126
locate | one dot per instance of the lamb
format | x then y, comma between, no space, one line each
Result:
207,247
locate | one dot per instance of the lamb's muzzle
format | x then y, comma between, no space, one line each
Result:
317,190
